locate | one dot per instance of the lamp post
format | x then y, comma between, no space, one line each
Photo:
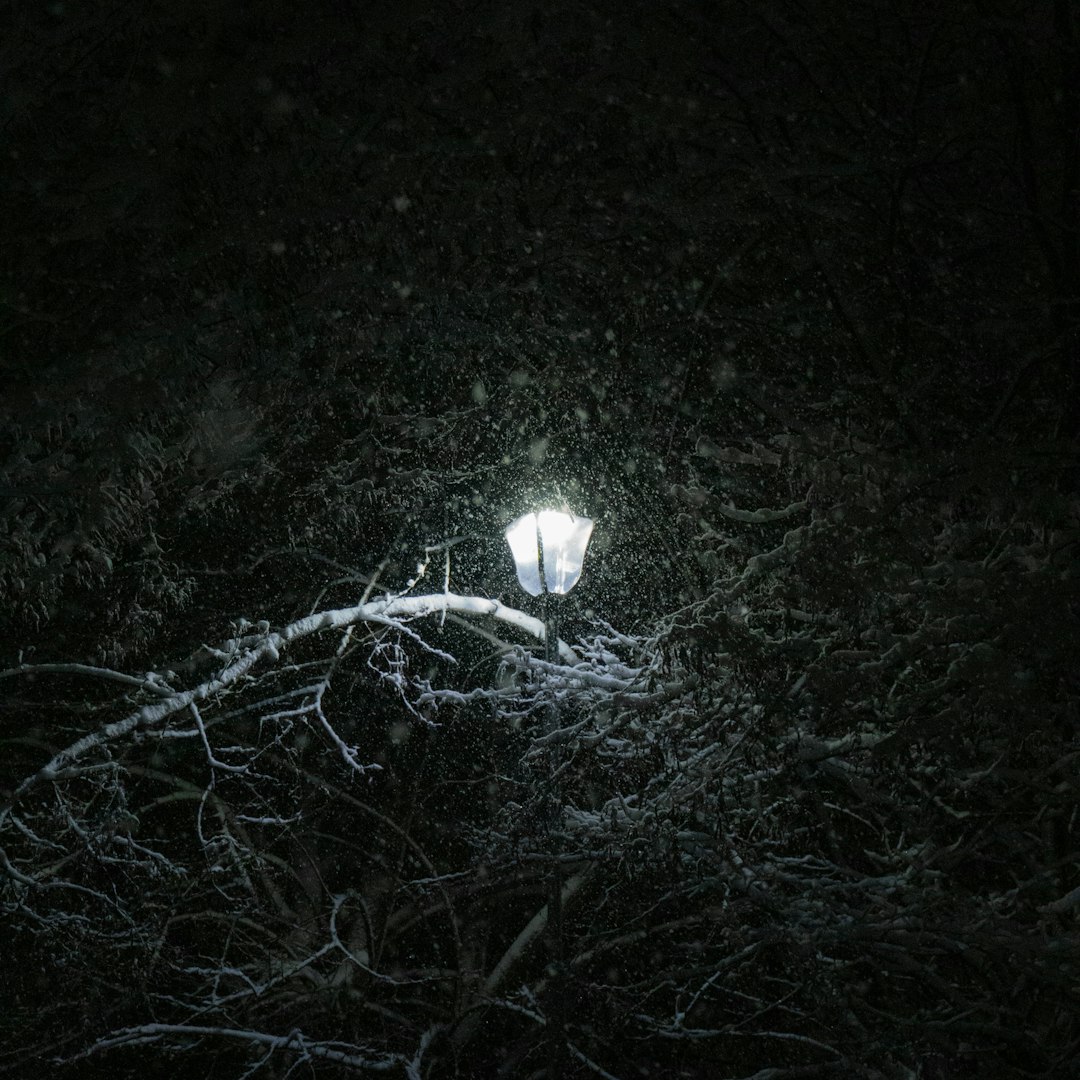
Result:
549,550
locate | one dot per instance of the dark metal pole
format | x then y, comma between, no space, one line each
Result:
557,1056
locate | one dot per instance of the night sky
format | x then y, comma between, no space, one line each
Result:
301,306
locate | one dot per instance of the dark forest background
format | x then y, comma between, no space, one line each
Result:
300,306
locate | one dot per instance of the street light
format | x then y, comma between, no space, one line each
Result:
560,539
549,550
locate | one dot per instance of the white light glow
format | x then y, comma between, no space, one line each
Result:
563,538
521,536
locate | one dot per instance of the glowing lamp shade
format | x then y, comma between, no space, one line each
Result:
548,550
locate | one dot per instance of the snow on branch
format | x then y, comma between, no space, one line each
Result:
295,1042
763,516
242,655
706,448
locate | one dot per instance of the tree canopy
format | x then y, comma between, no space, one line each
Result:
301,310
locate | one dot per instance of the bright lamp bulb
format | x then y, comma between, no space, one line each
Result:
562,538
